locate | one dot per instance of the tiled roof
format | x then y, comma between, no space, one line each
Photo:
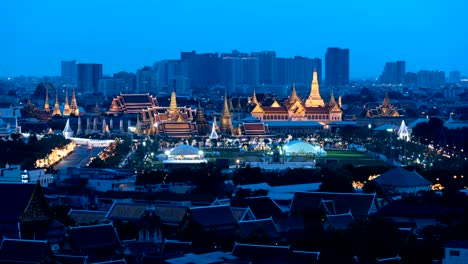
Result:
267,225
24,251
170,214
250,251
239,213
85,237
213,216
262,207
360,204
399,177
66,259
176,248
86,217
340,221
211,257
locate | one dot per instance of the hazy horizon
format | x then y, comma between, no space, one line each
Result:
125,36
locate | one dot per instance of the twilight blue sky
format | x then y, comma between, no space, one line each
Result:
128,34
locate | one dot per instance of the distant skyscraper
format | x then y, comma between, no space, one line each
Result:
431,79
454,77
337,67
146,80
110,87
69,72
89,75
266,66
129,79
238,69
394,73
304,69
173,74
203,69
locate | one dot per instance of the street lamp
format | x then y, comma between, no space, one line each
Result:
369,126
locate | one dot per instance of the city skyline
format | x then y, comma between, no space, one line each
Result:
126,37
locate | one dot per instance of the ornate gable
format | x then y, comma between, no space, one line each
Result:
37,208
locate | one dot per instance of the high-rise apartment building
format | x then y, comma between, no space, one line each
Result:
69,72
393,73
238,69
146,80
454,77
130,81
266,66
110,87
337,67
89,75
431,79
173,74
202,69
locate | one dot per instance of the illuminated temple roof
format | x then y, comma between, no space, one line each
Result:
132,103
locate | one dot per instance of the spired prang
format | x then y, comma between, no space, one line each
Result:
202,125
66,107
56,106
46,103
226,121
314,99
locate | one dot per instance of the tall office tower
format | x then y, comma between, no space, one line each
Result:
69,72
146,80
393,73
337,67
202,69
266,66
173,74
89,75
285,71
238,69
431,79
454,77
411,79
111,87
304,69
130,81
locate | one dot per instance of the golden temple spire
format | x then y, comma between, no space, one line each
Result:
46,104
173,104
332,101
226,121
74,106
254,97
56,105
314,99
66,107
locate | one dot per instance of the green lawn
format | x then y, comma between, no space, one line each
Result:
347,154
355,158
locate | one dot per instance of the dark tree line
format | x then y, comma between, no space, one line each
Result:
16,151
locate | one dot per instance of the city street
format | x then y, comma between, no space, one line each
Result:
80,157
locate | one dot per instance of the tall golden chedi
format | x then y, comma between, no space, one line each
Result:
66,107
56,105
46,103
226,122
173,111
314,99
74,106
